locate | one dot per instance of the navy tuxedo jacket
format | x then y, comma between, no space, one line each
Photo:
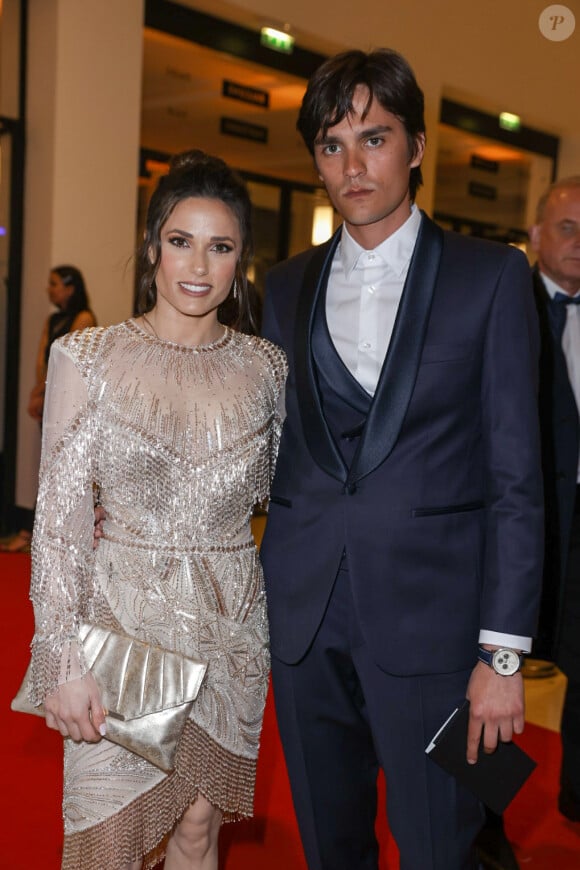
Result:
440,512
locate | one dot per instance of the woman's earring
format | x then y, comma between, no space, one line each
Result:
235,288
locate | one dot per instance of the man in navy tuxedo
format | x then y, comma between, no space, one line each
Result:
404,540
555,237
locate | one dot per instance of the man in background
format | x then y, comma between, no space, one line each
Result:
555,238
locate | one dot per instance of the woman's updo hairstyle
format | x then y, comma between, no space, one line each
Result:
196,174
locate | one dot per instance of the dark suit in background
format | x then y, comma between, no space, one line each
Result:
560,437
555,238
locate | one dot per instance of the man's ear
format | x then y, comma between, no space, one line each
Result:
419,152
535,233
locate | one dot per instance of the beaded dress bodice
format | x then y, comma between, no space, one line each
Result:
178,445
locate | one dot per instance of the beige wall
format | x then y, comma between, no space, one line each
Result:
84,81
569,163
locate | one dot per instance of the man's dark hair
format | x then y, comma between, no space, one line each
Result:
389,79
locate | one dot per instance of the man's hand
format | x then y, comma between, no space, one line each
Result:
75,710
100,517
496,709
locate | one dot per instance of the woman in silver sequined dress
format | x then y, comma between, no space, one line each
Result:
174,420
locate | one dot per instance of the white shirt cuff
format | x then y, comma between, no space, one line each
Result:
513,641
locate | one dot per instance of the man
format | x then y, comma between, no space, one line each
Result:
555,238
405,522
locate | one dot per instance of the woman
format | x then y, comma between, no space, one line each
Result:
67,291
174,420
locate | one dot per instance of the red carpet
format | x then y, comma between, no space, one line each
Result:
30,798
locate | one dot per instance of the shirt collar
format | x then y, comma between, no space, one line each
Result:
396,250
554,288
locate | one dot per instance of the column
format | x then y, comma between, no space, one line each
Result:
83,117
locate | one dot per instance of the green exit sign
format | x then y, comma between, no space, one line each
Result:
507,121
277,40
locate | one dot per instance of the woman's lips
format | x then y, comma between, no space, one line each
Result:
196,289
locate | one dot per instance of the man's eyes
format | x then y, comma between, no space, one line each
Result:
335,148
331,148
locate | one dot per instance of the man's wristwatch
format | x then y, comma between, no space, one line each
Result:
503,661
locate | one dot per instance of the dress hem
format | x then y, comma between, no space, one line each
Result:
141,830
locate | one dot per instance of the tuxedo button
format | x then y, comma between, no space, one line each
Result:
349,488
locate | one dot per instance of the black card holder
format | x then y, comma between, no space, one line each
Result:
496,778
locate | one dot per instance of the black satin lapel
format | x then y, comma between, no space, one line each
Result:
401,363
318,438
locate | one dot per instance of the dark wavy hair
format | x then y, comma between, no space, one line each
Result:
197,174
389,79
73,277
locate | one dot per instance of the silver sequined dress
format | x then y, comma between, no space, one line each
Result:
179,443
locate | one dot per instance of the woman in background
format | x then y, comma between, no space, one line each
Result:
174,419
67,291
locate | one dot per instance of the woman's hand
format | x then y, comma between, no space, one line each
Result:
100,517
36,403
76,710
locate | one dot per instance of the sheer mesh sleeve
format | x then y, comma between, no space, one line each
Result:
62,552
280,372
277,423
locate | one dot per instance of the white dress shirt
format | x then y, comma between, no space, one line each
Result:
362,300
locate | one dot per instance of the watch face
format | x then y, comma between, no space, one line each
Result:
505,662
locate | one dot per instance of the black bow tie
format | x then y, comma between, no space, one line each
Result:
558,309
564,299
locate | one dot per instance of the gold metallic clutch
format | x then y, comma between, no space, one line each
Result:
148,692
